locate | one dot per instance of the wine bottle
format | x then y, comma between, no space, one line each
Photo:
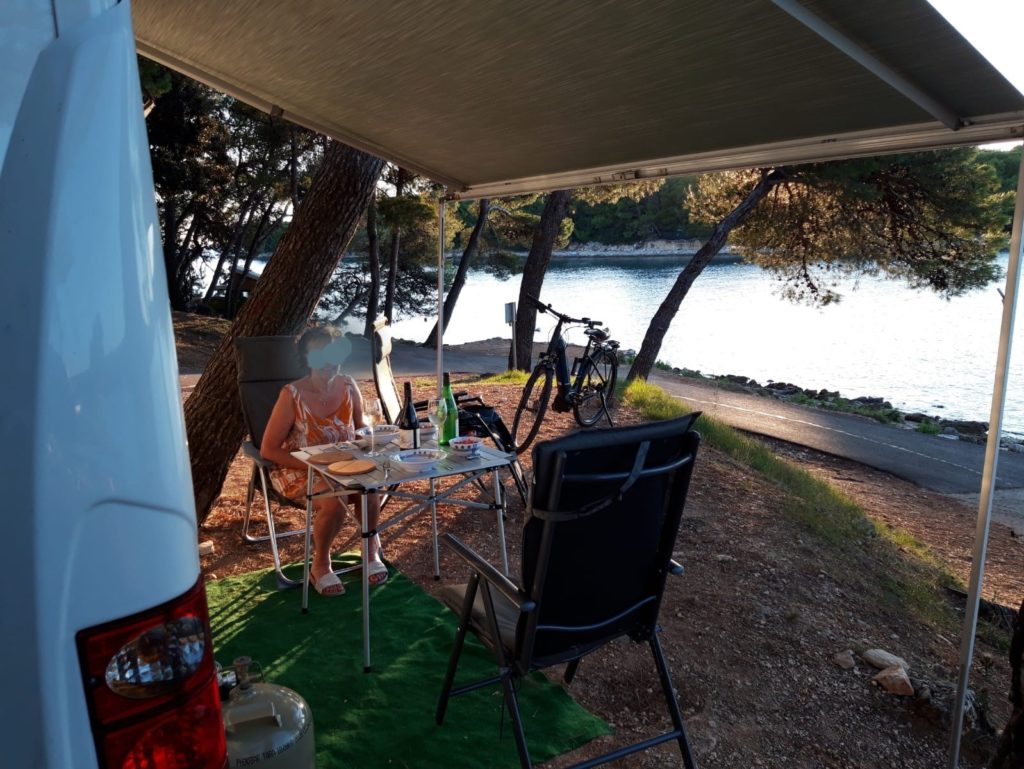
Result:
450,428
408,422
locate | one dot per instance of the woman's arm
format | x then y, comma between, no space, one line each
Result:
282,418
357,402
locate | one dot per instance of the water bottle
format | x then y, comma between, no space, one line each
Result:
450,428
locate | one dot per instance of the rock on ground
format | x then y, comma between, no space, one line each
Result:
882,659
895,681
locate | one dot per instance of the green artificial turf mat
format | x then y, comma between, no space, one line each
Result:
386,718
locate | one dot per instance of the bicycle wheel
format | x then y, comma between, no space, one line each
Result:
532,406
597,387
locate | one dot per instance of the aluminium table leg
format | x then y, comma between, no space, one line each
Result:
366,581
309,522
499,507
433,527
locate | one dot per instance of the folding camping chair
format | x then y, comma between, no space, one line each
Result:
265,364
475,416
616,491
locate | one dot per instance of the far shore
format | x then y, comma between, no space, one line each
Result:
654,249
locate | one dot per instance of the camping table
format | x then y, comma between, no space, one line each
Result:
487,461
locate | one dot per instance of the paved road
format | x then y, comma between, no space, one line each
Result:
946,466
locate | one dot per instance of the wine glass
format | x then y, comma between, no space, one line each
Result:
437,412
372,414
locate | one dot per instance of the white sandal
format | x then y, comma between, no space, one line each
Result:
377,573
329,585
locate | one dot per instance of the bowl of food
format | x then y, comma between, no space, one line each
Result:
466,446
418,460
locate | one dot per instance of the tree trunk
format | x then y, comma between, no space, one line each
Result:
232,249
293,167
373,255
1010,753
396,239
392,282
472,247
185,248
348,309
172,225
555,210
662,319
281,303
183,257
235,288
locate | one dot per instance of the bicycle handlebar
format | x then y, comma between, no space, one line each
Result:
564,318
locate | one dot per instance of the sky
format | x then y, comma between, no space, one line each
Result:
994,28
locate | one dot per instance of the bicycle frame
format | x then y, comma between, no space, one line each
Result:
555,358
574,390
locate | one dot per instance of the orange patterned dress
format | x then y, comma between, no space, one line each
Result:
311,430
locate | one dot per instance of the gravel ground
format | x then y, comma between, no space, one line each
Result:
752,626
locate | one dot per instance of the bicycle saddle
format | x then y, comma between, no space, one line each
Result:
598,334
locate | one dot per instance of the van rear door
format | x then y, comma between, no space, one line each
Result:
98,510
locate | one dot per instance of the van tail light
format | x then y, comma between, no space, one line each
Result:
152,689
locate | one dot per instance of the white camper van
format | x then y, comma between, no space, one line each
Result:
107,655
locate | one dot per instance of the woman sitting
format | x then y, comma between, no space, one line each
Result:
322,407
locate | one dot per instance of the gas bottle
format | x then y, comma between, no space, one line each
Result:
266,726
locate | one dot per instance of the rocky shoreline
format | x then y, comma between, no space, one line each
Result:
667,248
873,407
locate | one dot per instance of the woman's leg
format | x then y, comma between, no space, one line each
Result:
372,517
378,571
327,522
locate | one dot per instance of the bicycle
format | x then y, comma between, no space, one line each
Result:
586,390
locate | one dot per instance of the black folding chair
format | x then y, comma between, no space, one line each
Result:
265,365
475,416
616,491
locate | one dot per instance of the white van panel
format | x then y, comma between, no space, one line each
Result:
98,495
26,27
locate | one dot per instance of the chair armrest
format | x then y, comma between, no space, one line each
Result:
674,567
421,410
496,579
253,453
460,397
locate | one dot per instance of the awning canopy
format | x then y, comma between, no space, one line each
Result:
496,98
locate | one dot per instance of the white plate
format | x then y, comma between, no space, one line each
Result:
418,460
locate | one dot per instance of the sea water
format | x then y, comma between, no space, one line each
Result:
916,349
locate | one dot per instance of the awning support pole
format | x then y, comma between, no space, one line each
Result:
879,69
988,478
440,291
